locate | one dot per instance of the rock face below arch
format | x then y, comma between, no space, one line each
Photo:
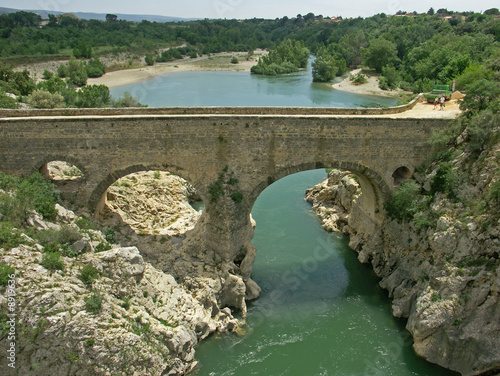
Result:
153,202
435,278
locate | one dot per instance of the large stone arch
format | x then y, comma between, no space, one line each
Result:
375,190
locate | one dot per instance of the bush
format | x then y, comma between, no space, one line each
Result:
127,101
382,83
52,85
234,60
95,68
358,79
93,96
93,304
404,201
52,261
9,237
7,101
150,59
237,197
6,271
39,194
45,99
47,75
88,274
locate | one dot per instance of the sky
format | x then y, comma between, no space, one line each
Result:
242,9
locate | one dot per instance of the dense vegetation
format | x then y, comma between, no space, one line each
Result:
409,51
464,168
289,56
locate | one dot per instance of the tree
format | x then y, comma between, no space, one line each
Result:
149,59
324,68
93,96
380,53
111,17
480,95
95,68
492,12
431,12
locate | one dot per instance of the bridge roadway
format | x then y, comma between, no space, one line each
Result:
229,158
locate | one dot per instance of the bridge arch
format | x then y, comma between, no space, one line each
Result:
97,198
41,165
374,188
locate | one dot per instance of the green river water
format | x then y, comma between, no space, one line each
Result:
321,311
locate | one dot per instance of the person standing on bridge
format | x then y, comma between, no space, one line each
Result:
436,101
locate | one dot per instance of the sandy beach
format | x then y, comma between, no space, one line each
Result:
216,62
370,88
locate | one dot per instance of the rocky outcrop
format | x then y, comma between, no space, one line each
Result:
106,311
444,278
154,203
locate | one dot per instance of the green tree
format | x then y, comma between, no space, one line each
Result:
324,68
93,96
380,53
480,95
150,60
95,68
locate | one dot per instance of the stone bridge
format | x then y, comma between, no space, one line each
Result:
229,159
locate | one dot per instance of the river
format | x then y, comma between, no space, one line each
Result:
210,88
321,311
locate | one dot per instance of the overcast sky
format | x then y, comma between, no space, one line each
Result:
249,8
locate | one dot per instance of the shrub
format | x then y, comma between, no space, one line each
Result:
93,96
237,197
110,235
101,247
234,60
44,99
47,75
150,59
52,261
358,79
95,68
6,271
404,201
39,194
382,83
88,274
7,102
127,101
84,224
9,237
52,85
93,304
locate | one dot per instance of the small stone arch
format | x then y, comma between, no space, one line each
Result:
400,174
41,166
375,190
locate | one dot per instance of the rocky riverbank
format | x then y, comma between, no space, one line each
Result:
444,278
106,306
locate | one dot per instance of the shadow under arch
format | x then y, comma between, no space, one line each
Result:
375,190
97,197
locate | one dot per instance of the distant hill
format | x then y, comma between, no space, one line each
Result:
102,16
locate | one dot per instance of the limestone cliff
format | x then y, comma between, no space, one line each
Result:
443,276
